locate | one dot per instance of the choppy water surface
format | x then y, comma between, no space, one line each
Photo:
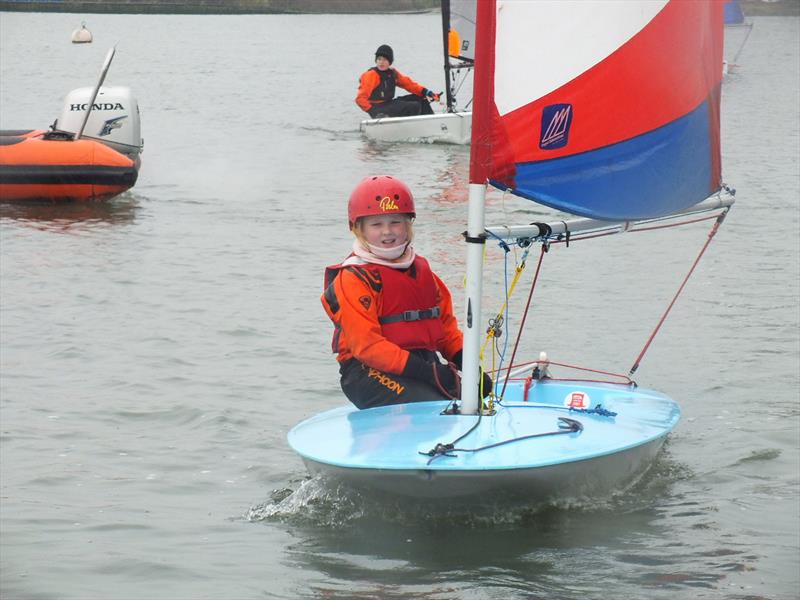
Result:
156,349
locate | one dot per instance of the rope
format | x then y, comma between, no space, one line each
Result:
711,235
628,380
565,426
495,325
490,408
443,449
545,248
442,389
597,410
495,329
741,47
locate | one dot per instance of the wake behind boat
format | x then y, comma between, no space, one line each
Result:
594,135
454,126
90,153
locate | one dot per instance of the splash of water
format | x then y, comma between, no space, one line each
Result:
319,502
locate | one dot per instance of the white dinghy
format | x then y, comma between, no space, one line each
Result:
454,126
595,135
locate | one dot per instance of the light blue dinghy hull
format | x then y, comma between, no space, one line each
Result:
385,449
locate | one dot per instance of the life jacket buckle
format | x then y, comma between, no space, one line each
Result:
411,315
418,315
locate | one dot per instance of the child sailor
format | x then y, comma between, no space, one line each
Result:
393,316
377,85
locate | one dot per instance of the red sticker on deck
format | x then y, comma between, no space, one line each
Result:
578,400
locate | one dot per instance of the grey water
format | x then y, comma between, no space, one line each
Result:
156,349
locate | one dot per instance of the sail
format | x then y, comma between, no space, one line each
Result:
734,15
460,28
608,110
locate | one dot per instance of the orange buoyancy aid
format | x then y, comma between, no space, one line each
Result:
409,312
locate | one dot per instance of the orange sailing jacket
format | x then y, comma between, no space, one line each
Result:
355,299
371,80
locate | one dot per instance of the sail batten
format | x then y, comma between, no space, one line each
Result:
583,120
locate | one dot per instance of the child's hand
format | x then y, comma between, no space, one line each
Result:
432,97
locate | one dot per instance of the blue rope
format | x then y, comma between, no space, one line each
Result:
507,249
597,410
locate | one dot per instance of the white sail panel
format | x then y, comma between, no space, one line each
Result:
542,45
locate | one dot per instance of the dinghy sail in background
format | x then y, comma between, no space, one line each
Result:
454,125
591,132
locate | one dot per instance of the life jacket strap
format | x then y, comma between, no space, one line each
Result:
411,315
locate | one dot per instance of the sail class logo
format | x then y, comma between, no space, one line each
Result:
387,203
556,121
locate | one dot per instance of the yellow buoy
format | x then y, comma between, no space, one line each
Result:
82,35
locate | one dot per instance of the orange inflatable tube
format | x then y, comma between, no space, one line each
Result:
33,167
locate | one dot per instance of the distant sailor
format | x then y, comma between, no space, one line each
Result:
377,87
392,316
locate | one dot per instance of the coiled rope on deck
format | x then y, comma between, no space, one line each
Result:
565,426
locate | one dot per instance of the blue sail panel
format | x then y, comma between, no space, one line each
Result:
670,165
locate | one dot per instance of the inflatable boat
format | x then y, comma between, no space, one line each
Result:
40,165
91,152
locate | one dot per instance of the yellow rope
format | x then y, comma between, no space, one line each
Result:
490,334
501,312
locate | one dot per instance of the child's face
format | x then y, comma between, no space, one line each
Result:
382,63
385,231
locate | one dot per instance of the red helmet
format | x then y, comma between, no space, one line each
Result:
379,195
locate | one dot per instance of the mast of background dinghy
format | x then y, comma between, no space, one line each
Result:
446,51
479,168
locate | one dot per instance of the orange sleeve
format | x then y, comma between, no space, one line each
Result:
367,83
408,84
453,339
361,335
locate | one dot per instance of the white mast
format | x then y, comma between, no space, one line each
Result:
473,328
480,152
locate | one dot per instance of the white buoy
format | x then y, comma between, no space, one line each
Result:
82,35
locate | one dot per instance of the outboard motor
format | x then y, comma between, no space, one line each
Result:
114,119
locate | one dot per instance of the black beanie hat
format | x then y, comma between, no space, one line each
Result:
386,52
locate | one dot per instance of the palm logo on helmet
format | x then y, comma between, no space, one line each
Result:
379,195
